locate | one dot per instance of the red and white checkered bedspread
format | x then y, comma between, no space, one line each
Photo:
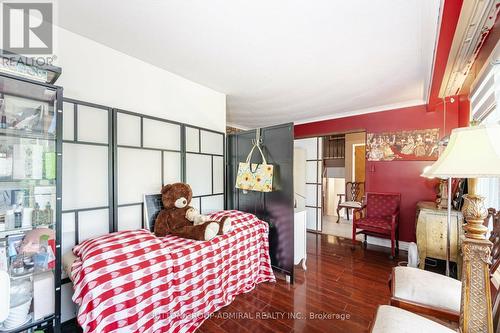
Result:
132,281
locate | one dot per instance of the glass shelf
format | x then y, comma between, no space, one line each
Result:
27,182
12,231
29,274
30,324
24,134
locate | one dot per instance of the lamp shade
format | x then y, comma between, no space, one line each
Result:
473,152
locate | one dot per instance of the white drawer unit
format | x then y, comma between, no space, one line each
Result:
300,249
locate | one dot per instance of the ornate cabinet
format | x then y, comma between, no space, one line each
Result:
432,233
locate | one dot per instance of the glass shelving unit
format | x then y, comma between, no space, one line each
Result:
30,202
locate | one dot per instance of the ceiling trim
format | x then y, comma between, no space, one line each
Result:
449,21
476,21
374,109
241,127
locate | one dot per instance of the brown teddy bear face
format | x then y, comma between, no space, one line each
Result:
176,195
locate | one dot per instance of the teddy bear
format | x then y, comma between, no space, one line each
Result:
180,219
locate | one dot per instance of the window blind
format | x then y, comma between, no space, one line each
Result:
485,109
485,94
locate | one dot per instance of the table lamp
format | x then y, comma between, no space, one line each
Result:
473,152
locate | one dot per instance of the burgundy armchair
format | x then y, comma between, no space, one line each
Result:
379,217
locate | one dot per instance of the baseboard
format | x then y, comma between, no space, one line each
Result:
386,242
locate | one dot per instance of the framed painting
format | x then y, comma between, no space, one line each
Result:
414,145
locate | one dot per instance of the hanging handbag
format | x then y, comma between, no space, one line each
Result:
255,177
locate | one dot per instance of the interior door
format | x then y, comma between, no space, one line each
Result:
359,166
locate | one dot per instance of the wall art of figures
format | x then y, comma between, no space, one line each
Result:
414,145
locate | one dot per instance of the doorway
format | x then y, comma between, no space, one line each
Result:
332,162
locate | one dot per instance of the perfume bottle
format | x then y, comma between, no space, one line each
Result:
35,217
49,213
18,215
3,115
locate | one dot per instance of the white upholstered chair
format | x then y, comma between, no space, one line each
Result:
434,294
391,319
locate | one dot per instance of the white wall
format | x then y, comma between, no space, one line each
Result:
95,73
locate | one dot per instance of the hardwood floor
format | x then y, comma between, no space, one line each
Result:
339,292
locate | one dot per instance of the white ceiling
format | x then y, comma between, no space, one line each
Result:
277,61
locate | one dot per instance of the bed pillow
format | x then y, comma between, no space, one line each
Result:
112,241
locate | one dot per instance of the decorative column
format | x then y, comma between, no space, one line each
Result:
476,311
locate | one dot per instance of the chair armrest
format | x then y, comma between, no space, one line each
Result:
395,217
426,310
359,211
340,195
390,319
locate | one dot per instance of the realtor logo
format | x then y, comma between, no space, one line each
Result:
27,28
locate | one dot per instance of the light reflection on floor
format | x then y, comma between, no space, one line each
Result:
342,229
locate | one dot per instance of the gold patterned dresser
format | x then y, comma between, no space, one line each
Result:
431,227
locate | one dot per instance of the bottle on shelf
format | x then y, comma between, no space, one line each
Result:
35,216
9,219
18,215
5,162
2,221
3,115
49,212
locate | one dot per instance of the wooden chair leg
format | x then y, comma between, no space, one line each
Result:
338,214
397,241
347,210
353,241
365,242
393,249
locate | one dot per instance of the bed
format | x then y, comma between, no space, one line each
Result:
132,281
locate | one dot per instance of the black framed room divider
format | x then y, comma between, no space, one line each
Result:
112,157
87,182
275,207
165,151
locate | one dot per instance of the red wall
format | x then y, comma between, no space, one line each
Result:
463,111
395,176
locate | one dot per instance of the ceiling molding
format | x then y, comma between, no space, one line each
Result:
238,126
428,90
450,14
375,109
476,20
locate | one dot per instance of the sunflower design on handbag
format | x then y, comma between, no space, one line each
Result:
253,176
